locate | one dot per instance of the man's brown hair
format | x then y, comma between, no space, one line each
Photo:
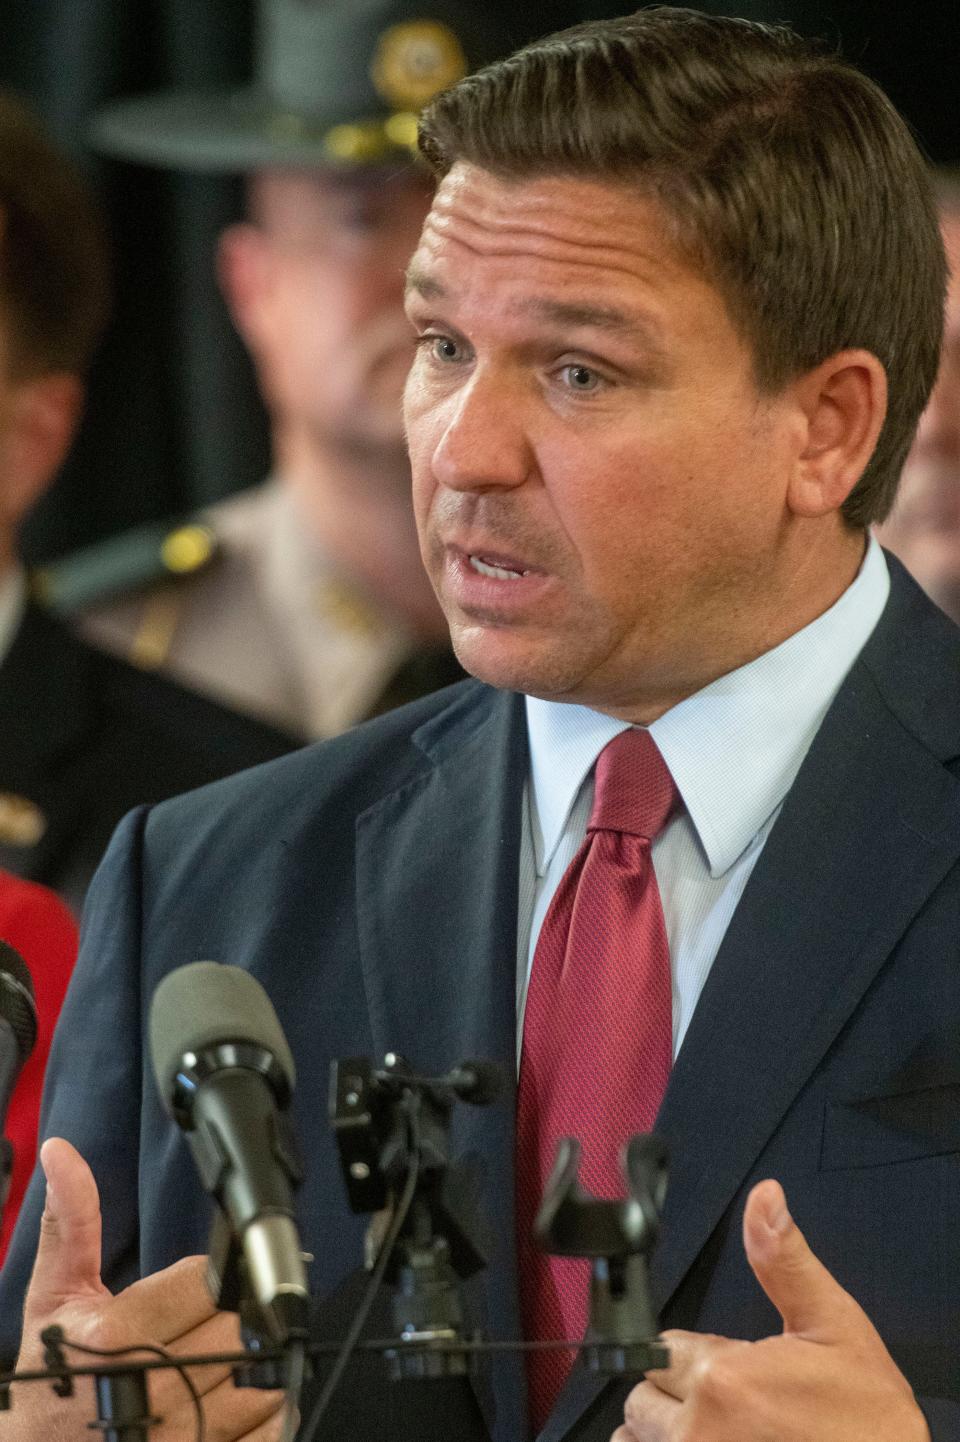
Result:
53,269
787,175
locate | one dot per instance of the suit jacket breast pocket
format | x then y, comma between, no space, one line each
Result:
900,1127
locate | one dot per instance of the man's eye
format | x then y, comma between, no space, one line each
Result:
443,348
581,378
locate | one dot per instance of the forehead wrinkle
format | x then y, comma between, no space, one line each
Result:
499,237
595,259
586,315
493,234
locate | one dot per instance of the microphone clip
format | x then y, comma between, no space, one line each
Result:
617,1237
392,1131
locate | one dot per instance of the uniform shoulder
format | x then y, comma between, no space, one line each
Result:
156,553
134,561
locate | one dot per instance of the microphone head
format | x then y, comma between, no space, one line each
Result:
204,1005
17,1006
479,1082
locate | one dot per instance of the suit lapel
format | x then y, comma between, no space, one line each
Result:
437,875
869,829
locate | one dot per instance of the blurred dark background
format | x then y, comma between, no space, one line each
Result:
173,419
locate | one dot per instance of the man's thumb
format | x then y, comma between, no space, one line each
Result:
67,1266
807,1297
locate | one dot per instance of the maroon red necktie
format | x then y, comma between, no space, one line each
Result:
597,1032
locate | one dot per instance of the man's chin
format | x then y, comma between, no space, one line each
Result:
501,659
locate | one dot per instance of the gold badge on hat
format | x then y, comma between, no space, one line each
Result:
414,61
22,823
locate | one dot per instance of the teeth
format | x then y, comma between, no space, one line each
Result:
499,572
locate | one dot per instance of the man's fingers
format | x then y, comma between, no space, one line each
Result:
229,1413
68,1257
692,1354
219,1334
166,1305
648,1415
269,1431
810,1301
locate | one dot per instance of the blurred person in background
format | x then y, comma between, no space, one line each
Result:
923,528
83,736
303,600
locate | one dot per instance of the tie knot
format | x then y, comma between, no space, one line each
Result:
634,791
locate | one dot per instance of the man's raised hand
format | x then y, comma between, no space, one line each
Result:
172,1309
827,1378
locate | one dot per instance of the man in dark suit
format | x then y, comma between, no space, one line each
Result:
83,736
678,302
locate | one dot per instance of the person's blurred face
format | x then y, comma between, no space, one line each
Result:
316,285
39,413
924,527
599,487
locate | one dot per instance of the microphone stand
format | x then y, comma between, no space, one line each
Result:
123,1407
391,1129
617,1237
391,1124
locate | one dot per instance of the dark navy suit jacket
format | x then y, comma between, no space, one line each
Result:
371,884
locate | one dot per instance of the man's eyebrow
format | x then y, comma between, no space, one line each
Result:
572,314
424,284
591,317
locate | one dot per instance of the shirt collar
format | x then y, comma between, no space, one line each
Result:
735,747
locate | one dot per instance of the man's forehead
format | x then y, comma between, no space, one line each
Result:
585,224
585,313
561,251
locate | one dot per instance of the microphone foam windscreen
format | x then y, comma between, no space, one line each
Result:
17,1006
204,1004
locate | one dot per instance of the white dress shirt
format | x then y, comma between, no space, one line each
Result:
733,750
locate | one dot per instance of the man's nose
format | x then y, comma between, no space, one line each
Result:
485,444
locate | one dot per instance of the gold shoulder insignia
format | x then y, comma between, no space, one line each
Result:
133,561
188,549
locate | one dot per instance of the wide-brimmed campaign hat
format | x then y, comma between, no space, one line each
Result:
336,82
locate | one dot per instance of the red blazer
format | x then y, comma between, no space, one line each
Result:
37,924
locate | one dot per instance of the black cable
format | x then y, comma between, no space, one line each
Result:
296,1363
157,1351
373,1286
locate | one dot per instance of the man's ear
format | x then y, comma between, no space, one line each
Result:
38,426
243,270
844,403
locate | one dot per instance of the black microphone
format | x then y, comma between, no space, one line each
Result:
18,1037
226,1076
